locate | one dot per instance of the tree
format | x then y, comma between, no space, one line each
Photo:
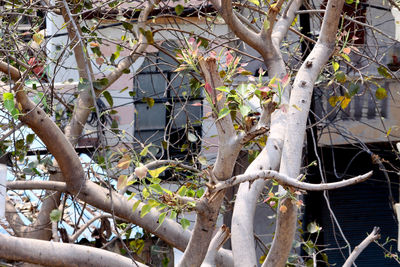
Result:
284,108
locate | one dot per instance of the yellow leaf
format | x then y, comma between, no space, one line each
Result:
333,100
389,131
294,21
219,96
124,162
335,65
155,173
345,101
38,38
256,2
296,107
272,82
381,93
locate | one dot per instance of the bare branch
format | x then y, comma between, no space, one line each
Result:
15,222
34,185
374,235
252,38
58,254
140,48
285,180
216,243
86,225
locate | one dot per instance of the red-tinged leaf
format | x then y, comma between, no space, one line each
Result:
122,181
355,48
208,88
212,54
236,61
285,80
198,104
284,108
191,41
229,58
99,60
347,50
124,162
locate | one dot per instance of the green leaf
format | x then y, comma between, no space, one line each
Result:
148,35
8,96
9,105
169,192
244,110
244,88
179,9
161,217
340,77
182,191
266,24
55,215
190,193
223,112
154,203
173,215
200,192
145,193
30,138
145,209
127,26
157,188
155,173
383,72
353,88
185,223
346,57
131,196
136,205
380,93
109,98
349,2
223,89
143,153
335,65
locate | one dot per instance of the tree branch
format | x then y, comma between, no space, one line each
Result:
218,240
34,185
225,9
292,150
140,48
248,193
374,235
58,254
285,180
86,225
